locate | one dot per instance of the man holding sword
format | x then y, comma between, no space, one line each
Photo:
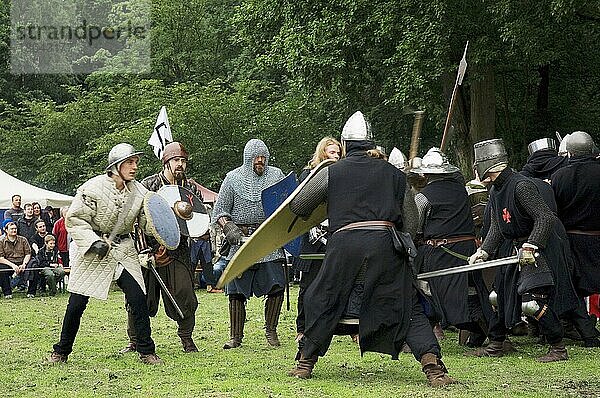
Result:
100,220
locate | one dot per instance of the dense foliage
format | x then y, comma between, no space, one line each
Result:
292,72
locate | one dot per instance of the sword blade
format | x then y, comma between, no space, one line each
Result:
165,290
312,256
469,267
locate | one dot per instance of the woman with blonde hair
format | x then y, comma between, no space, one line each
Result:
327,148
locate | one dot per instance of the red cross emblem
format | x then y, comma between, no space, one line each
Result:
506,215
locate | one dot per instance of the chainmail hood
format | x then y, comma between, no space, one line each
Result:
245,181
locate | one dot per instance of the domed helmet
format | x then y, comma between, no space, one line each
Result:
118,154
562,148
490,155
357,128
580,143
435,162
397,158
173,150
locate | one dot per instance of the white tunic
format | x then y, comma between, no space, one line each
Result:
96,207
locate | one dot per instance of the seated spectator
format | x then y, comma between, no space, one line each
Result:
15,253
26,224
49,259
16,211
37,240
37,210
49,217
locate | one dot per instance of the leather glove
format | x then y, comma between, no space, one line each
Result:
145,258
99,248
232,232
527,254
478,257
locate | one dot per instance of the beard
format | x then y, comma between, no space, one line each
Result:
178,174
259,169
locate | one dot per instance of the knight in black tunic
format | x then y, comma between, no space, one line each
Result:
448,236
543,159
577,196
519,213
365,198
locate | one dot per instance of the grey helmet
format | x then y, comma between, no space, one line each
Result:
541,144
562,148
580,143
357,128
118,154
490,155
435,162
397,158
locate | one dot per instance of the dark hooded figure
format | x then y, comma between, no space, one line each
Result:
543,159
366,209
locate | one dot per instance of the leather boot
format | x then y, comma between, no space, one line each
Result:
438,332
188,344
130,347
55,357
436,372
237,317
272,311
556,352
493,349
304,368
150,359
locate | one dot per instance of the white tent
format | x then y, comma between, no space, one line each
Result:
10,186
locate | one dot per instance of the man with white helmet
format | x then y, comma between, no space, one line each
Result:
366,206
447,231
106,206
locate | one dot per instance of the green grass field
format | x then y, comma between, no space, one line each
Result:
29,327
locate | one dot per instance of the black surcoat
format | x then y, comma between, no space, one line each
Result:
362,188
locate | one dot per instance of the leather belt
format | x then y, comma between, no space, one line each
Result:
580,232
375,224
440,242
118,238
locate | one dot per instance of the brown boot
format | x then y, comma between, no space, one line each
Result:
272,311
493,349
55,357
556,352
237,317
151,359
406,349
507,347
438,332
130,347
436,372
304,368
188,344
